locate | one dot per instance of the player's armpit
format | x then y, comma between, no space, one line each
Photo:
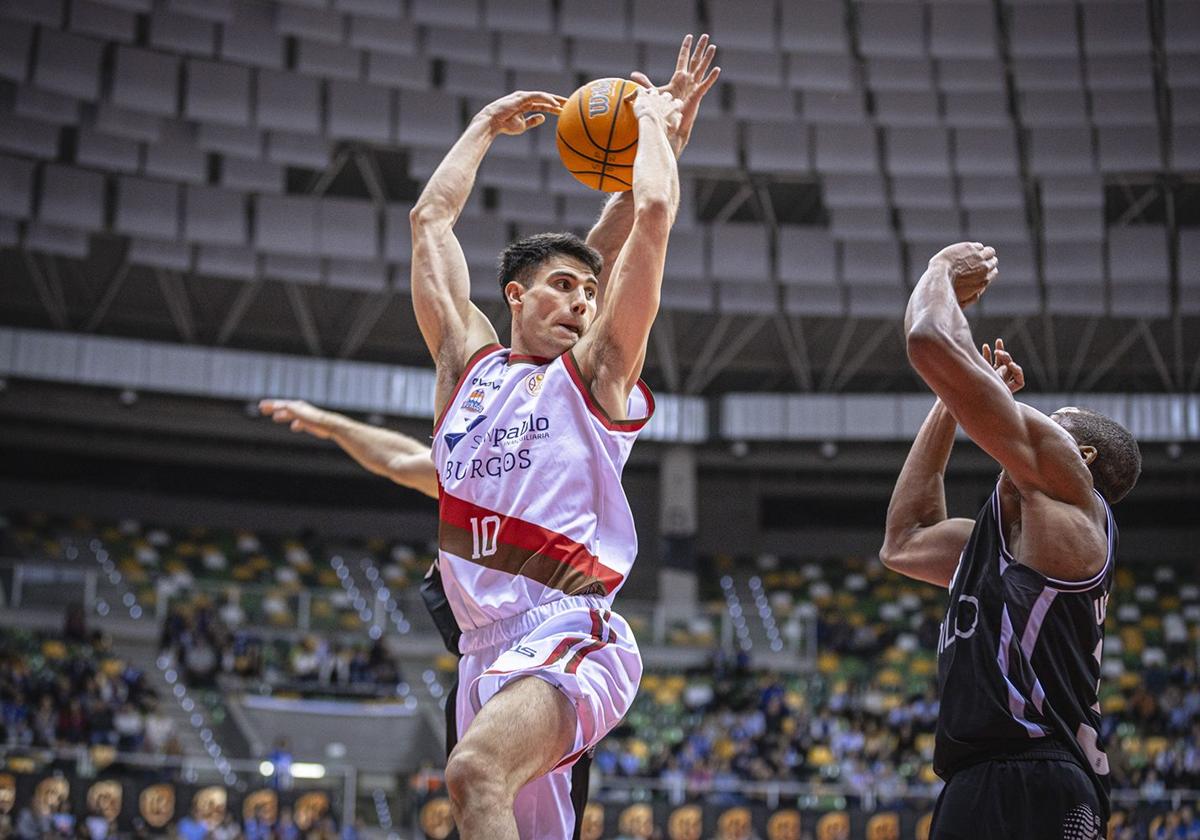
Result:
930,553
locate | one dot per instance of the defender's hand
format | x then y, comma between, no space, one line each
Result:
511,114
300,416
658,105
1002,362
972,267
689,83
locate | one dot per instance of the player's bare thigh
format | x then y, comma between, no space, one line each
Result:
520,734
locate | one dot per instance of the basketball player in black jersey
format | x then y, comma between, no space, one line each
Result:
1029,578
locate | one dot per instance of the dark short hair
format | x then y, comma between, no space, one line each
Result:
1118,461
520,258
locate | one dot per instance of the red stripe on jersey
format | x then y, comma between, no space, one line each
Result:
532,538
462,379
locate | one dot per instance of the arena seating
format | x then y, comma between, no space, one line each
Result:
56,690
116,110
251,578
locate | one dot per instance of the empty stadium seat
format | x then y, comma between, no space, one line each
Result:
72,197
777,147
16,187
69,64
814,26
842,190
740,252
534,17
285,224
217,92
147,208
807,256
743,25
147,81
891,30
961,30
101,20
846,149
183,34
360,111
214,216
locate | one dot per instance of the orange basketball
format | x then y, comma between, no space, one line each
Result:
598,134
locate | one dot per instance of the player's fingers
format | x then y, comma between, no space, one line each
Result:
988,252
685,50
992,275
708,81
283,415
266,406
641,78
986,352
704,57
697,58
297,425
534,120
999,343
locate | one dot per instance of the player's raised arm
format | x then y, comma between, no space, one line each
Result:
453,327
392,455
694,76
920,540
1037,453
610,355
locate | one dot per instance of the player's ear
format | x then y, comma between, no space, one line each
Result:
1088,453
512,293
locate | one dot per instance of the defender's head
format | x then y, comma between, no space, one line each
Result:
549,284
1107,447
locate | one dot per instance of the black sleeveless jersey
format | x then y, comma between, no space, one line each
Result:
1019,657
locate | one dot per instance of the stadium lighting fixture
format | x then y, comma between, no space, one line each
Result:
305,770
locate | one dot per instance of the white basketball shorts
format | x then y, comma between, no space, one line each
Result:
577,645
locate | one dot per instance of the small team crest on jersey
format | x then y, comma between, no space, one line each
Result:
534,383
474,402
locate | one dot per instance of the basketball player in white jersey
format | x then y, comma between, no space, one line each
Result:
536,535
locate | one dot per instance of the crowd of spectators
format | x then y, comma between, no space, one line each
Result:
208,640
57,692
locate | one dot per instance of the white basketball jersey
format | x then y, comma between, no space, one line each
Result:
531,503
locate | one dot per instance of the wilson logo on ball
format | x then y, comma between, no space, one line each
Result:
597,135
598,98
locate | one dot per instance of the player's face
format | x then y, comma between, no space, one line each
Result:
557,308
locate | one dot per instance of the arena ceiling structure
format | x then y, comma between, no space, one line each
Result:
237,176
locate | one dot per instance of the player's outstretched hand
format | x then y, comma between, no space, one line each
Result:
521,110
1002,362
972,267
693,77
299,415
660,105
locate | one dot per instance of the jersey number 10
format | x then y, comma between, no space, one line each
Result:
484,531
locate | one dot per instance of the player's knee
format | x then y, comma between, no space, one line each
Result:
473,779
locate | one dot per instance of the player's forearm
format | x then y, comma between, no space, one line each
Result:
373,448
919,497
937,335
655,175
610,231
450,185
